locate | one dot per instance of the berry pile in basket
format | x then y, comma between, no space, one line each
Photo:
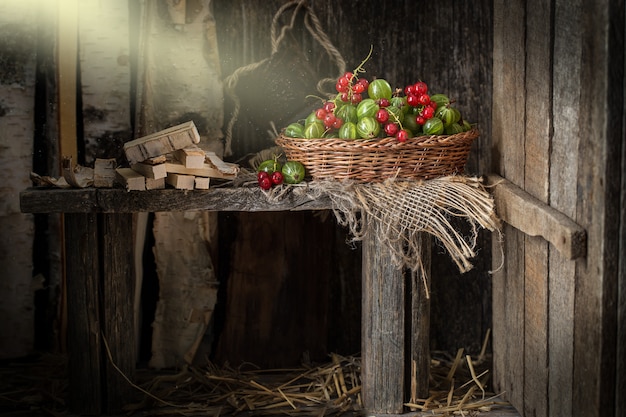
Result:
364,109
271,173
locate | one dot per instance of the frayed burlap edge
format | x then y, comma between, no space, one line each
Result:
404,209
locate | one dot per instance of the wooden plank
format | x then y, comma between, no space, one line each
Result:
67,56
83,328
202,183
382,334
118,200
180,182
207,170
534,218
118,322
598,183
417,366
155,184
508,128
130,179
191,157
162,142
564,156
153,171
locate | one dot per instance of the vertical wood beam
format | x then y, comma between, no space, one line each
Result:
118,325
382,324
84,349
67,55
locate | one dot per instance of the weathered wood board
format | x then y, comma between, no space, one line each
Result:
556,327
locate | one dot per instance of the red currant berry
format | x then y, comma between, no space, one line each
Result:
277,177
356,98
382,115
409,90
391,129
337,123
402,135
383,102
265,182
412,100
420,120
347,76
329,119
341,88
424,99
345,97
428,112
320,113
364,82
421,88
262,174
328,106
433,104
358,88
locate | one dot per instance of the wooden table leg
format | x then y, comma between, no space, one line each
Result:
118,328
100,288
395,365
83,312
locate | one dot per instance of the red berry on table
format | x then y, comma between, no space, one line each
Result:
262,174
329,106
265,182
277,178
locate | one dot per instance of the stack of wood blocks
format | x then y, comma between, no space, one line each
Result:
171,157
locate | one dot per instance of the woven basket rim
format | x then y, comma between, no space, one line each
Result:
389,142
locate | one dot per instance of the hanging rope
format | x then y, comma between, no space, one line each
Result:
313,26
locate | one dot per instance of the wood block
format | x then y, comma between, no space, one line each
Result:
190,157
129,179
150,171
162,142
202,183
180,181
207,170
104,173
155,184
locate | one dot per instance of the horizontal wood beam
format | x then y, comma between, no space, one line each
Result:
536,218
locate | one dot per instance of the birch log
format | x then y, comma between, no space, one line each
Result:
105,77
180,82
18,29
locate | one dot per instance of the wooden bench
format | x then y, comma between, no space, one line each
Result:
100,286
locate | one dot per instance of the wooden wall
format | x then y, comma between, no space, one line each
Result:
558,133
411,41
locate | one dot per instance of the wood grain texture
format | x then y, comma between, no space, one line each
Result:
382,334
83,307
116,200
508,127
118,289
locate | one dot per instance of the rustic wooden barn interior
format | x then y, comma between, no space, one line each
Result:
543,81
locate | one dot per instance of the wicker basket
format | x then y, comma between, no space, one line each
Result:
374,160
